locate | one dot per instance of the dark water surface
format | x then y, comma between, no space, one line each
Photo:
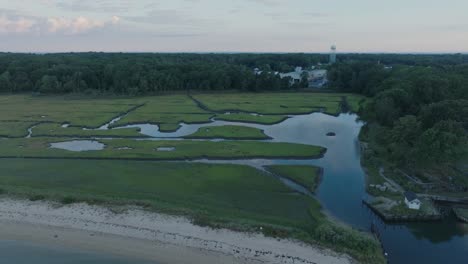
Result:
343,188
14,252
340,192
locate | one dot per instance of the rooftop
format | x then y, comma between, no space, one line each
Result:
411,196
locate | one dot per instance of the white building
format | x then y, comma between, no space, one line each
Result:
316,77
295,76
412,201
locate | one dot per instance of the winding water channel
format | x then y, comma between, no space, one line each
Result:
343,186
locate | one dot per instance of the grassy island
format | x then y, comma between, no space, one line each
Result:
229,132
307,176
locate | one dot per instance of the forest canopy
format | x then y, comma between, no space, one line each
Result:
145,73
418,115
148,73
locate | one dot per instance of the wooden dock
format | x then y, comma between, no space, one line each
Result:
403,218
459,215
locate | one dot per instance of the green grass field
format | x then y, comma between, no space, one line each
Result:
229,132
56,130
77,112
231,196
168,112
129,171
147,149
14,128
248,118
18,112
307,176
273,103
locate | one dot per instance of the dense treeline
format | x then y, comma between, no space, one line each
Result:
418,115
407,59
145,73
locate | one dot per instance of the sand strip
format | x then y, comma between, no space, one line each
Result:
147,236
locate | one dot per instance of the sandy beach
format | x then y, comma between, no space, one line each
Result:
147,236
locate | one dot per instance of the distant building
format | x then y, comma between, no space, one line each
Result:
295,77
412,201
333,54
316,78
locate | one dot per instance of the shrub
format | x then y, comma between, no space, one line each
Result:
69,200
37,197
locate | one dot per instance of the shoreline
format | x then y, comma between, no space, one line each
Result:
146,236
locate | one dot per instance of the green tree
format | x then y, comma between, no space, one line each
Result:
445,142
49,84
5,82
403,137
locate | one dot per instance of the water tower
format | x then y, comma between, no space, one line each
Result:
332,54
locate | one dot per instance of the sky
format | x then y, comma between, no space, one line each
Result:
404,26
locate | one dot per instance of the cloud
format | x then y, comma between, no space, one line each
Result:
12,23
171,17
168,16
267,2
72,26
16,25
95,5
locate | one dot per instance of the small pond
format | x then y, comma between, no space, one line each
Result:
79,145
165,149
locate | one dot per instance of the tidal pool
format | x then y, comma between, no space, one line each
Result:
165,149
79,145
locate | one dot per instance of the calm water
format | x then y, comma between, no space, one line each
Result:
13,252
78,145
343,187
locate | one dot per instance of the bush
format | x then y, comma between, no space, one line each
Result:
37,197
69,200
348,239
202,220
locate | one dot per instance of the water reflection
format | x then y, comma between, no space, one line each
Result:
342,188
14,252
78,145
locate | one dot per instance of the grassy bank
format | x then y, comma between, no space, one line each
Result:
168,112
229,132
307,176
14,128
355,102
231,196
80,112
249,118
148,149
461,213
56,130
272,103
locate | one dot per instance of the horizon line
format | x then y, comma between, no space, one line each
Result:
248,52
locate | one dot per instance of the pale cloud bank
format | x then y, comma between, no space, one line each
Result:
14,24
241,25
